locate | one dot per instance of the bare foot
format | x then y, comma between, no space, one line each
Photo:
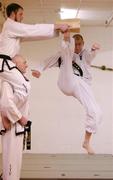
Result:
88,148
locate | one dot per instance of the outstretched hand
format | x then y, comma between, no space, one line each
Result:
62,27
36,73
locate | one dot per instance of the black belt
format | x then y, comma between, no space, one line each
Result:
5,59
3,56
27,136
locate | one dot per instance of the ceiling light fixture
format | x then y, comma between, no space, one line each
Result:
67,13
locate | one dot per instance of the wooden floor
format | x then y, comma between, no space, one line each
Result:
66,166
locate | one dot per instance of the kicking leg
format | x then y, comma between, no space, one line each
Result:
66,76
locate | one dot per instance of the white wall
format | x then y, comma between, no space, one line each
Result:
58,121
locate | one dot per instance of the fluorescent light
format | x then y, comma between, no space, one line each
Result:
67,13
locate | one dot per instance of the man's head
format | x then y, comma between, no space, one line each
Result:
21,63
15,12
79,43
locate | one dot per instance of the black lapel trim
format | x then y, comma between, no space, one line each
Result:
59,62
78,68
74,65
10,68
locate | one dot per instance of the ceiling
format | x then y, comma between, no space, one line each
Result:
90,12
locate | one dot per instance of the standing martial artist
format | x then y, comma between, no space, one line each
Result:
76,84
15,113
14,32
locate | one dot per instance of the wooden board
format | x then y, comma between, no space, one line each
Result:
73,23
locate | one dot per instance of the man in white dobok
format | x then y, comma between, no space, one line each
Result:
13,33
14,113
77,83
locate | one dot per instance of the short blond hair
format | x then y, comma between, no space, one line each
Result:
78,37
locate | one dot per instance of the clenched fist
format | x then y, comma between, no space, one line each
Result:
96,46
36,73
22,121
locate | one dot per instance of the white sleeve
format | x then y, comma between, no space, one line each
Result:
53,60
38,38
21,30
49,62
8,106
90,55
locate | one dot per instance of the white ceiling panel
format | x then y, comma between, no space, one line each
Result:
90,12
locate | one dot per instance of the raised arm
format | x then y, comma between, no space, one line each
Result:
92,53
47,63
22,30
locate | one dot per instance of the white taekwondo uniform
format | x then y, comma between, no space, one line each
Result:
84,60
13,108
12,34
76,85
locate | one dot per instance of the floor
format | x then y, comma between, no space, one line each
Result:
66,166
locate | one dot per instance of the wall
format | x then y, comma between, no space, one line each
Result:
58,121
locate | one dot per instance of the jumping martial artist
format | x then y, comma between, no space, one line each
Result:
14,113
76,81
